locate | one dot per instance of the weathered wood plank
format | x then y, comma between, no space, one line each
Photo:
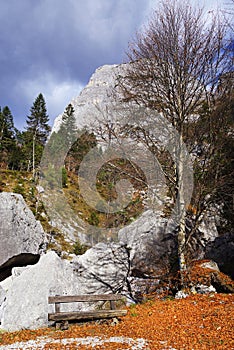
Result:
112,305
85,315
57,307
83,298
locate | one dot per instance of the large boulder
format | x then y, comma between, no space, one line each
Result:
149,244
103,268
152,243
221,250
22,237
26,300
24,295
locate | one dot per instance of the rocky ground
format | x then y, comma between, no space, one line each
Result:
196,322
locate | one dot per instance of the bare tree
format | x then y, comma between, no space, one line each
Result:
228,12
175,66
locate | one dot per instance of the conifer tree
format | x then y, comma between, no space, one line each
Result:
68,127
8,139
37,121
7,130
37,132
68,133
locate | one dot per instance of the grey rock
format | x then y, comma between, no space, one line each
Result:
26,303
221,250
181,295
149,243
115,322
96,93
20,232
101,269
203,289
210,265
152,242
205,234
21,235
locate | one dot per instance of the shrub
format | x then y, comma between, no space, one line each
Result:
79,248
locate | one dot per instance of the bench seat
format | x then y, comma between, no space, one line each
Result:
85,315
66,316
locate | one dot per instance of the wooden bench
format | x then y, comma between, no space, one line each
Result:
66,316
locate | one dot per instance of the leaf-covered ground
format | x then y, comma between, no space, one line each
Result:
197,322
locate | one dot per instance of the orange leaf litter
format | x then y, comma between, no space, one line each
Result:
195,323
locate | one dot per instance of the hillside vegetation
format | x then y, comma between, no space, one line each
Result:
22,182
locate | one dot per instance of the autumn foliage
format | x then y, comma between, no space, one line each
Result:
197,322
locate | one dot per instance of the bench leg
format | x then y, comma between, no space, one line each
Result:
115,321
63,325
57,325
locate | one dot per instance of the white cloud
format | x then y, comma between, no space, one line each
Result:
106,23
208,5
69,39
57,93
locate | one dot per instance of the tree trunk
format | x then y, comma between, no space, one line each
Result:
181,212
33,160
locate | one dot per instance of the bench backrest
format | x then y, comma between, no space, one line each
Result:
83,298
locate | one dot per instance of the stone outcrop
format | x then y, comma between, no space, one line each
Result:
24,295
96,93
149,245
221,250
103,268
26,299
152,242
94,103
22,238
122,267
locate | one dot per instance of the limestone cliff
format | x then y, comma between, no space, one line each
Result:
96,93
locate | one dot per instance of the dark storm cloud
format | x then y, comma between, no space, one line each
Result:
53,46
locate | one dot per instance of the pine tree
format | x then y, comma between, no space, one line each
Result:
37,132
38,120
68,127
8,139
7,130
68,133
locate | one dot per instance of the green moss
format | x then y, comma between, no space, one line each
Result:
79,248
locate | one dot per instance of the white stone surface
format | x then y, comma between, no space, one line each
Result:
20,232
96,93
210,265
134,344
101,269
27,299
203,289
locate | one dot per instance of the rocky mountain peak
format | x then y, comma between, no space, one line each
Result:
96,92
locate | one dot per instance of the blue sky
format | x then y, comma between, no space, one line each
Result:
54,46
